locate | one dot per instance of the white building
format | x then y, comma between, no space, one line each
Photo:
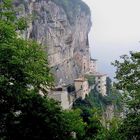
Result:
101,83
81,87
59,94
62,96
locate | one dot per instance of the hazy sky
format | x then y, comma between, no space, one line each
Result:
115,30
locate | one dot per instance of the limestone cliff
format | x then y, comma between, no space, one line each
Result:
62,26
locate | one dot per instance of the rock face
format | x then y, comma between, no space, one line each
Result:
62,26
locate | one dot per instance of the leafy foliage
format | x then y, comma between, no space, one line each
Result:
23,71
96,100
74,122
25,114
37,118
91,79
108,85
128,75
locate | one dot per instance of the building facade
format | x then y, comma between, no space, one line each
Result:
81,87
59,94
100,81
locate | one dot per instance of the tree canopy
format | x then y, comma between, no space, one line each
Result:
128,76
24,113
23,69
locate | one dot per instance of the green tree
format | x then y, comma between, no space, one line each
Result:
94,125
37,119
108,85
128,76
110,132
74,123
23,72
24,114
